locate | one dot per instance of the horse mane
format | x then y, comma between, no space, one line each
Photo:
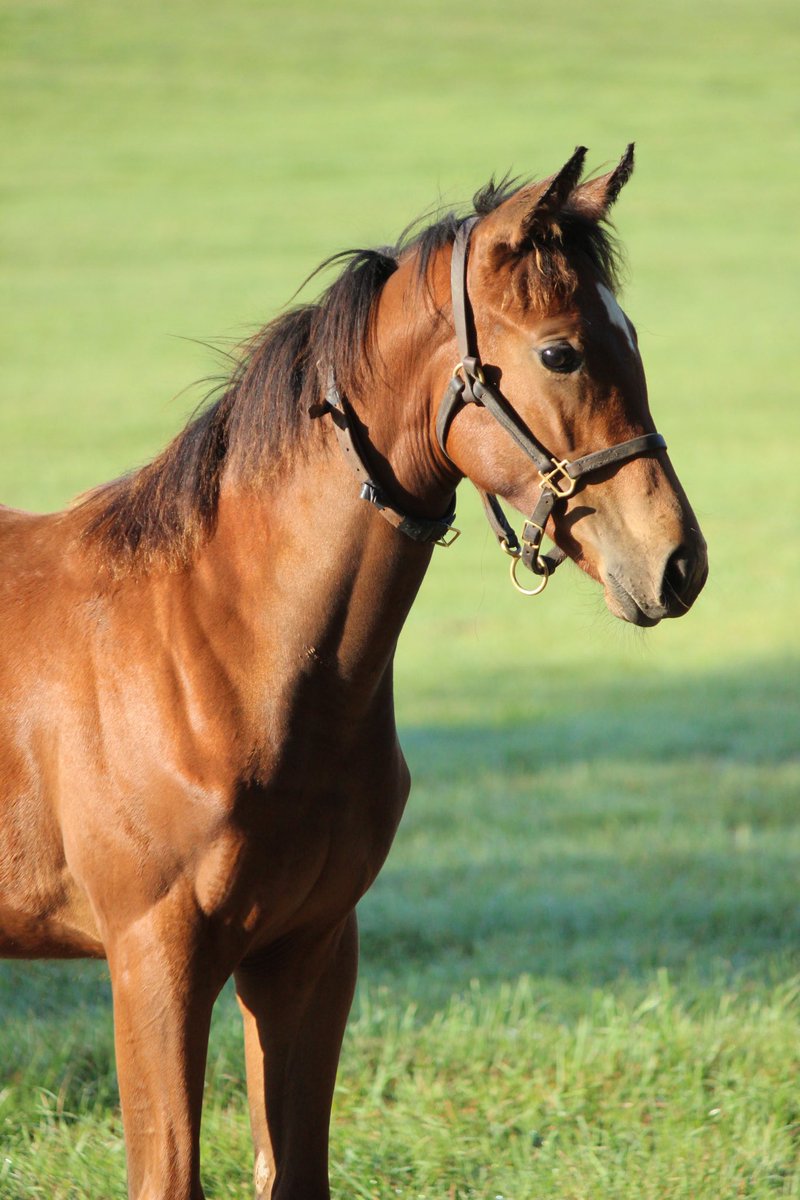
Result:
160,514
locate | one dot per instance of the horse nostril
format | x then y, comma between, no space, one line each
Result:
677,576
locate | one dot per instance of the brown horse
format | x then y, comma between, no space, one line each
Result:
199,761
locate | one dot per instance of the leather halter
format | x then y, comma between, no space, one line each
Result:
558,477
469,385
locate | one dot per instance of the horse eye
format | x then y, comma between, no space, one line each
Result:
562,358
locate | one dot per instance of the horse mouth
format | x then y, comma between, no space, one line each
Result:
621,603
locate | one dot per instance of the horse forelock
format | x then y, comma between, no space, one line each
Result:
554,260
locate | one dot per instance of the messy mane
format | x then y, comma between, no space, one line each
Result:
163,512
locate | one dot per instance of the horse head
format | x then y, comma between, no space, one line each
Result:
547,355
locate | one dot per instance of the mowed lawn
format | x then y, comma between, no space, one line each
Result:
580,972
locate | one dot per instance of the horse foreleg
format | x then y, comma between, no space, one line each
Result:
164,990
294,1005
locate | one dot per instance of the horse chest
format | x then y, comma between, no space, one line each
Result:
301,848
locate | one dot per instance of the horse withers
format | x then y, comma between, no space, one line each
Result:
199,767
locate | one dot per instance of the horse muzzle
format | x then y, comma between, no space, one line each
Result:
644,600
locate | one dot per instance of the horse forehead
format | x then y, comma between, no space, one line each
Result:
615,314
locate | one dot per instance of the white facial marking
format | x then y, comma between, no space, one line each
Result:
615,314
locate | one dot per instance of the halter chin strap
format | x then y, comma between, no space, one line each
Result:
469,385
558,477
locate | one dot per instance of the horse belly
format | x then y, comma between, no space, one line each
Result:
24,936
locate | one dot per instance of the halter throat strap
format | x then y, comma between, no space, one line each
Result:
438,531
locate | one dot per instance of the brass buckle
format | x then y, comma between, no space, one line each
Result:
559,468
447,539
534,541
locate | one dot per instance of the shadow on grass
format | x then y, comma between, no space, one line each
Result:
750,714
626,828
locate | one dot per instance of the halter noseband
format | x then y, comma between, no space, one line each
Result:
469,385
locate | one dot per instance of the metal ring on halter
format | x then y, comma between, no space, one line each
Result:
529,591
478,373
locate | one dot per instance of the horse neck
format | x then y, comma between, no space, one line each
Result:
394,405
310,574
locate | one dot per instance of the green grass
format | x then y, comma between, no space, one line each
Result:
581,965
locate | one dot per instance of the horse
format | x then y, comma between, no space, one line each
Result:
200,768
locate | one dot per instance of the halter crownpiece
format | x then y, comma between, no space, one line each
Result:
469,385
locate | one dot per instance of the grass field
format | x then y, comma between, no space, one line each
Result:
581,966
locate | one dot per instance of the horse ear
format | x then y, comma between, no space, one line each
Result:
595,197
534,210
557,191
